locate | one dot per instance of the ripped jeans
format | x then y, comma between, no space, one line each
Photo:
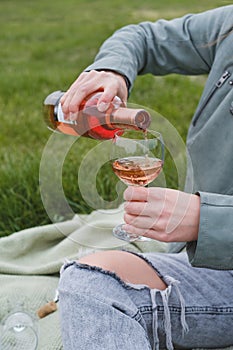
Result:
100,311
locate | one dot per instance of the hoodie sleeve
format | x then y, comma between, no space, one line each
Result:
184,45
214,247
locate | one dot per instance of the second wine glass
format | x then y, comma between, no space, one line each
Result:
138,158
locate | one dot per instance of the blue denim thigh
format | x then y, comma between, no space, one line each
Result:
208,299
96,311
100,311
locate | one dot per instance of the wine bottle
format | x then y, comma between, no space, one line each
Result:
90,122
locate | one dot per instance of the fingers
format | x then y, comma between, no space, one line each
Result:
105,100
110,83
138,231
113,84
136,208
142,201
164,214
74,96
142,222
136,194
151,233
144,211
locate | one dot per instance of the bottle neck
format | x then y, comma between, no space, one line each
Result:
129,117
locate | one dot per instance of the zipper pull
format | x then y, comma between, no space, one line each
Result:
223,78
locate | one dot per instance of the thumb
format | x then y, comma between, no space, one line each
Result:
103,106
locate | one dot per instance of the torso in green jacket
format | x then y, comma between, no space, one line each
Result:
192,45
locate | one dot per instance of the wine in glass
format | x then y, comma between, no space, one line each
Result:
138,158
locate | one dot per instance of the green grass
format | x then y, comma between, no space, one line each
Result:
45,45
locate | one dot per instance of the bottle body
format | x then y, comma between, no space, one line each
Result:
90,122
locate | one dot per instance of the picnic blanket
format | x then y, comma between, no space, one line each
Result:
30,261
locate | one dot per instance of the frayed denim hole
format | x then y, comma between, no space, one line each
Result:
172,284
66,264
112,274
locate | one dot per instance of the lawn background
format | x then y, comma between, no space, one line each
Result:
44,46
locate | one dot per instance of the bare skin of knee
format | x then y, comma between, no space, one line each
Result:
129,267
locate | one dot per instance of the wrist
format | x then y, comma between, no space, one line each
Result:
194,209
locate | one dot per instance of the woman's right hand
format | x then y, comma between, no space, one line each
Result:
111,83
162,214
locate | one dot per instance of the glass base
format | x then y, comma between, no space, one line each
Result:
118,232
19,331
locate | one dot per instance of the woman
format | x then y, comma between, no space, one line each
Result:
120,300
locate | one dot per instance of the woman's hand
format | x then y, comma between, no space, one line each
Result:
162,214
112,84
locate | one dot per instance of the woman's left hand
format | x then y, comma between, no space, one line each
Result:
162,214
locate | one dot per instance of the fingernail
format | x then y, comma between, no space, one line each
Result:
102,106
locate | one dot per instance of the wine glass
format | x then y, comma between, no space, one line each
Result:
19,331
137,159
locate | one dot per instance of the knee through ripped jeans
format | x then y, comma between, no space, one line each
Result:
100,311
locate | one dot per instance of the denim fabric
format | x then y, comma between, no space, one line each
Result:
100,311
